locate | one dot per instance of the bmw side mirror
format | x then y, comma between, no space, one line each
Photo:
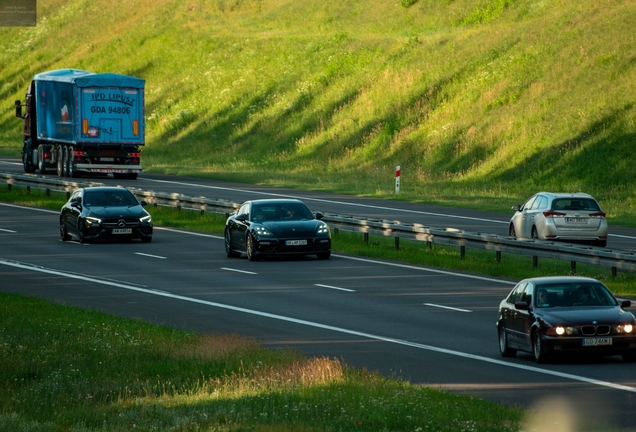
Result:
319,215
626,303
521,305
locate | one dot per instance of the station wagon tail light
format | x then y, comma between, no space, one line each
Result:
600,214
551,213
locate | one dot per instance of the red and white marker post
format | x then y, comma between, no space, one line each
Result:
397,179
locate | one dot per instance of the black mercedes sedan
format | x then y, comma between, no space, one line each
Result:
94,213
276,227
547,316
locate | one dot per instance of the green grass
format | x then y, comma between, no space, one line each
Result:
514,267
481,102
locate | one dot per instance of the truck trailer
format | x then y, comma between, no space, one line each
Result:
79,122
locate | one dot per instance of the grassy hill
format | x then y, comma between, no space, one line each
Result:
481,102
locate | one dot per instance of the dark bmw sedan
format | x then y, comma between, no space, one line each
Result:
276,227
547,316
94,213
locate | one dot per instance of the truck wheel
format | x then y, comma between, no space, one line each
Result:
72,172
41,163
65,161
60,158
27,156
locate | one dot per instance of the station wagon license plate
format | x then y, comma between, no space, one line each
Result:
295,242
122,231
577,220
597,341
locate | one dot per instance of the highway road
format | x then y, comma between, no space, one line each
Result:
433,328
623,238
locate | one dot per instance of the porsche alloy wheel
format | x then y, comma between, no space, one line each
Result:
249,249
228,246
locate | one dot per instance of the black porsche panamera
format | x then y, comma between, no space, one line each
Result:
547,316
95,213
271,227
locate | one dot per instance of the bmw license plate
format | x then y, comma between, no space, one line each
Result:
295,242
597,341
122,231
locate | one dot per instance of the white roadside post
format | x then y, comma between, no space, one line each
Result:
397,179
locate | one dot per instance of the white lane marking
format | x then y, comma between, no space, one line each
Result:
426,269
11,163
189,232
238,271
151,256
336,288
326,201
447,307
30,208
160,291
526,368
7,230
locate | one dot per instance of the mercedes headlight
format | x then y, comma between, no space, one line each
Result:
90,221
146,219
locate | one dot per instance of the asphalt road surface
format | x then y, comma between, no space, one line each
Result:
433,328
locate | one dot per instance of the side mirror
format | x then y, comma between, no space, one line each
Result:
319,215
75,204
516,208
18,109
143,203
521,305
626,303
240,218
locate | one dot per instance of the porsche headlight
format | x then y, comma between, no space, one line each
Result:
146,219
323,229
262,231
90,221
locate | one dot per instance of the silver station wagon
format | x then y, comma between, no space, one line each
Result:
575,218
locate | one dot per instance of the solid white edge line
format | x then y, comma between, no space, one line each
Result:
336,288
8,231
238,271
332,328
447,307
29,208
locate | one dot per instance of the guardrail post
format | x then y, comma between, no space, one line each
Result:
498,256
8,186
68,194
366,238
28,189
462,252
397,243
614,269
573,266
48,192
535,261
202,212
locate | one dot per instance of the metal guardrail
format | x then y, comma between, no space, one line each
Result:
614,259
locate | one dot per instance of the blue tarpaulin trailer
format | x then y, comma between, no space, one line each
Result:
82,122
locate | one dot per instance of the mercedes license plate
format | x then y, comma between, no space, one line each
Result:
597,341
122,231
295,242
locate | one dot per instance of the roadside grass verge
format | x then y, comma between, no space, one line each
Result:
67,368
514,267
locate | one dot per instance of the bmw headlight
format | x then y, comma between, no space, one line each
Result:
562,331
90,221
262,231
323,229
625,328
146,219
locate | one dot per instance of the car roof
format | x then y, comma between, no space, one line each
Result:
565,194
105,188
275,201
544,280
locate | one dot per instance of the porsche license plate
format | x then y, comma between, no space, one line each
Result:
597,341
122,231
295,242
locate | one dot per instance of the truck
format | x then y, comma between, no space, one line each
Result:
78,122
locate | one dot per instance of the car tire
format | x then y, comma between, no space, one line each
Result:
65,162
323,255
63,232
60,159
228,246
503,343
535,234
81,228
72,170
27,163
41,163
249,248
511,231
539,353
